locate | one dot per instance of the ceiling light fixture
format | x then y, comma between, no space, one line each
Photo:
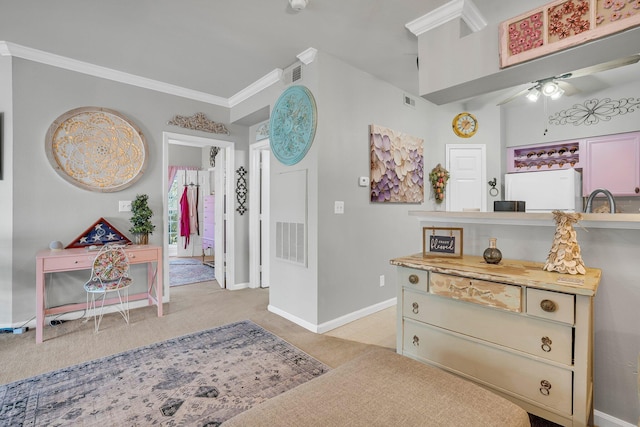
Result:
298,5
558,93
533,94
550,88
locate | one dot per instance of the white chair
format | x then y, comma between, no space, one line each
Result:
109,274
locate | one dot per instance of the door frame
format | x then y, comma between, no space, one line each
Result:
228,259
258,247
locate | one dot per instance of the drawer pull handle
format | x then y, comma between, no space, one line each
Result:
416,308
548,305
416,341
546,344
414,279
637,190
545,386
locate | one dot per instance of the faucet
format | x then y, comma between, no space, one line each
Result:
612,202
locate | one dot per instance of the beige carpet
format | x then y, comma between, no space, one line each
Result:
192,308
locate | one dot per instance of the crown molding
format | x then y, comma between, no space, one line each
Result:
464,9
307,56
260,84
18,51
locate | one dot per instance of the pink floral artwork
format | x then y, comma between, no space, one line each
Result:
568,19
396,174
526,34
609,11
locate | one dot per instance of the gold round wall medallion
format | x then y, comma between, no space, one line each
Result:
465,125
96,149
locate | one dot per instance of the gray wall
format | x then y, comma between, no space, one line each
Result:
6,191
45,206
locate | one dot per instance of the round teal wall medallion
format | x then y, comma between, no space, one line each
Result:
292,126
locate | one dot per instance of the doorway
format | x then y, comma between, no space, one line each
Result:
225,244
259,158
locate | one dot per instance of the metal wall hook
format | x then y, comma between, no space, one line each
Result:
493,191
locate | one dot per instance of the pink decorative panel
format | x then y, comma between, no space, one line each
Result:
568,19
526,34
610,11
562,24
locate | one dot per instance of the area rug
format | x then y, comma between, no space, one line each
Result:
201,379
186,271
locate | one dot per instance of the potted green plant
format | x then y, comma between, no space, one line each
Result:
141,219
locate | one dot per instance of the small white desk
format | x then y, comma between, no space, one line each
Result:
48,261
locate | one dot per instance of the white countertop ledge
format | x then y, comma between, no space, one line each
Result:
589,220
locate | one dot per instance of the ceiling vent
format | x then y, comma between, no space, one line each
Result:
409,101
293,74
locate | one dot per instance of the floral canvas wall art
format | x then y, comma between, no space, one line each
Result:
396,166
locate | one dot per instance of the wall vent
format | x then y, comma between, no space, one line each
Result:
409,101
293,74
290,244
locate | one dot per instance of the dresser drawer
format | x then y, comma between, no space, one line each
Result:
413,278
492,294
547,385
548,340
551,305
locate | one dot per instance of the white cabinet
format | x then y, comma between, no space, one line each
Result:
523,332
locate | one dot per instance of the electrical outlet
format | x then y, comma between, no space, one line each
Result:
338,207
381,280
124,206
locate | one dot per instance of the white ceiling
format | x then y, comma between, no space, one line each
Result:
220,47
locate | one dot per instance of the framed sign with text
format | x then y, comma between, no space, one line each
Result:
442,241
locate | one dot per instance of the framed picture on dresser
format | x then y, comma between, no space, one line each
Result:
441,242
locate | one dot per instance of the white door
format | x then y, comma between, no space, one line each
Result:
466,189
220,212
260,156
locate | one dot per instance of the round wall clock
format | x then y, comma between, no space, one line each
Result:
292,125
465,125
96,149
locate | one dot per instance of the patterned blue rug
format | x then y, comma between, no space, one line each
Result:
184,271
201,379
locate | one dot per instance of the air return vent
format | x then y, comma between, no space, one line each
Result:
290,242
293,74
409,101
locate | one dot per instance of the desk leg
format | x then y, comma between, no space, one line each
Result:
157,277
159,283
40,281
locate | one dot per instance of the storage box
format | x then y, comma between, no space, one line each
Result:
508,206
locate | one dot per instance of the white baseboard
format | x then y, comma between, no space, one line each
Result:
335,323
348,318
298,321
239,286
605,420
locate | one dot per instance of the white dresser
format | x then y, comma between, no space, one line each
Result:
525,333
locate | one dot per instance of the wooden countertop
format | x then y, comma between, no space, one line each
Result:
516,272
